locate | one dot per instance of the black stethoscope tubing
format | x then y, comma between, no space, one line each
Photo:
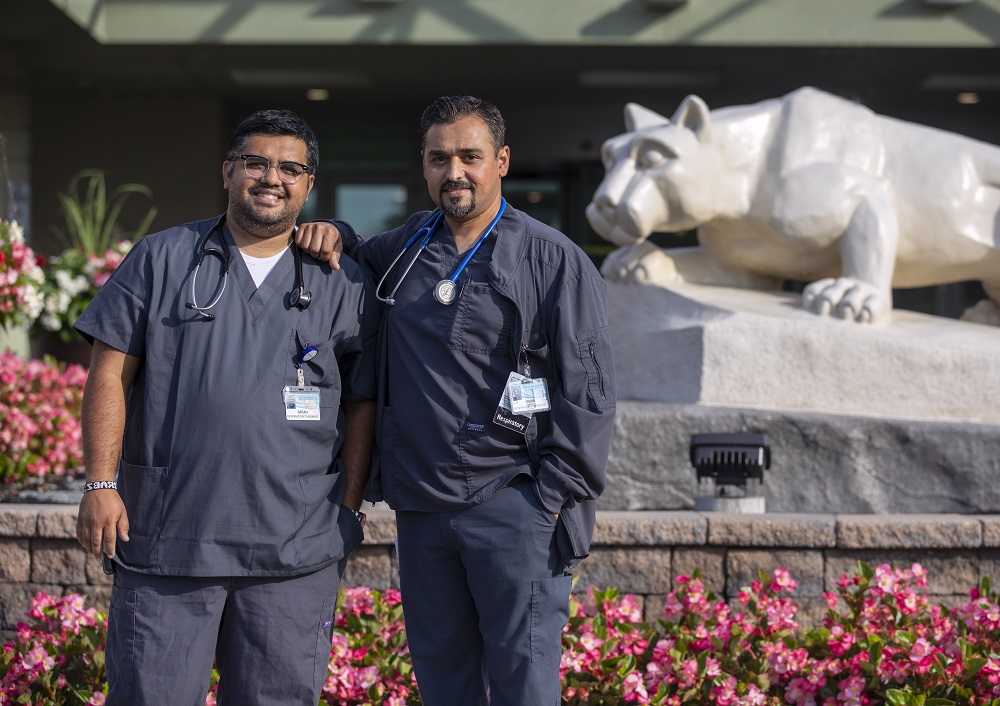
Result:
298,297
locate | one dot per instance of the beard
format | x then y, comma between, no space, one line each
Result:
259,222
454,208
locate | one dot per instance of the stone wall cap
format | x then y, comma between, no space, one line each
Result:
18,520
771,530
917,531
650,528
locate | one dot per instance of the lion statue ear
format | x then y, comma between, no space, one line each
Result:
639,118
693,114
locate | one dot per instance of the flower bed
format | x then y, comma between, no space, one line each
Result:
882,641
40,433
21,278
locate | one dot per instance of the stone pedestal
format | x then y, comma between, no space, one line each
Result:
897,418
728,347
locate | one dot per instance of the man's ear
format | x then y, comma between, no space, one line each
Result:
503,157
227,173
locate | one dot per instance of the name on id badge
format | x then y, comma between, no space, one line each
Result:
301,403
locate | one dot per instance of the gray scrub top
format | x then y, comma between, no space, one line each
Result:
216,480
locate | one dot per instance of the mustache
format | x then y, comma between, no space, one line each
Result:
455,185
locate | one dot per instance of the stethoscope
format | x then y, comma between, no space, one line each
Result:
446,290
298,297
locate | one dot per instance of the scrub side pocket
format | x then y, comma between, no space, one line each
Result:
549,613
142,490
119,656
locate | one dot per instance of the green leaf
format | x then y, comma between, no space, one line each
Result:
865,570
973,665
899,698
938,702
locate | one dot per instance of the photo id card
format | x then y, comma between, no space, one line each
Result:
301,403
528,396
504,415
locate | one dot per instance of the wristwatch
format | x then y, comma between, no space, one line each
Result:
361,517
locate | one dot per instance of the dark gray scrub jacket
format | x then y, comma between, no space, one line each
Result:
215,479
559,332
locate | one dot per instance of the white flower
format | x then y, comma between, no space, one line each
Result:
71,285
34,302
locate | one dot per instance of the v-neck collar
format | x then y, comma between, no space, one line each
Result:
278,279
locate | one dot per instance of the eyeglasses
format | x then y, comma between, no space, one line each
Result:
256,167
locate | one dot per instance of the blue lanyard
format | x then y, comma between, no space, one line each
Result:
445,290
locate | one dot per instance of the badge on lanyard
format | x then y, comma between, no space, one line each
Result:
521,397
301,400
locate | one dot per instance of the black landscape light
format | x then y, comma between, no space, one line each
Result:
731,460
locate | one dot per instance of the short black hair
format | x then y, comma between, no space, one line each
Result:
277,123
450,109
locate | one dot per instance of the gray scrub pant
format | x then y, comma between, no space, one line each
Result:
485,598
270,638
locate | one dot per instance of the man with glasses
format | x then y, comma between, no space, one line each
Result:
228,430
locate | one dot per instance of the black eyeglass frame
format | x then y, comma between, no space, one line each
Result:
306,169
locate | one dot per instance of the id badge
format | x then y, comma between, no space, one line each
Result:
528,396
505,416
301,403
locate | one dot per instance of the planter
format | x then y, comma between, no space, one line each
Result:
45,343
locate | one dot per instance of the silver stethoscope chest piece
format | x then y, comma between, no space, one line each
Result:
444,292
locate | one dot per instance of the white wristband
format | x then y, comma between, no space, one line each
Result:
100,485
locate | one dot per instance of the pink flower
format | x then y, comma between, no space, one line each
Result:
96,699
635,689
783,580
725,693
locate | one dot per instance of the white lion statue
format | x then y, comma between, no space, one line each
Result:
807,187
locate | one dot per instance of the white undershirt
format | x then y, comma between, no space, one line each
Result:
260,266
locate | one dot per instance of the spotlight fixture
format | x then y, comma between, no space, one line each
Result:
730,461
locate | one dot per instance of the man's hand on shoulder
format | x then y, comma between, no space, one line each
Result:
321,240
101,518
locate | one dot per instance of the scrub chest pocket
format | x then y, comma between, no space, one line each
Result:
483,321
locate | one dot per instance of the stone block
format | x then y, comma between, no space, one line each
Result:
369,566
991,529
650,528
653,607
18,520
58,522
812,610
95,571
15,560
822,463
944,531
771,530
15,601
806,567
948,572
639,571
711,561
58,561
380,526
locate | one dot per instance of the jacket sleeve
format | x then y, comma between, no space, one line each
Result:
573,447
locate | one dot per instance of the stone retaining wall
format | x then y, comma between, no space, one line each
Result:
637,552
